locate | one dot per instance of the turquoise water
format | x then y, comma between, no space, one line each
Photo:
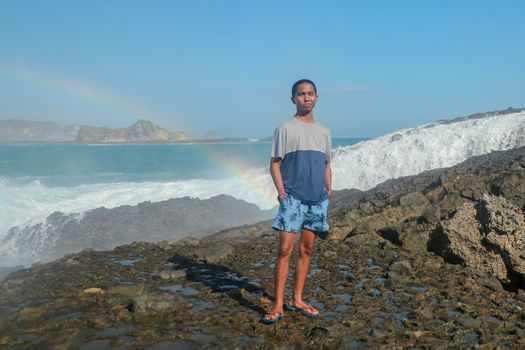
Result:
39,179
72,165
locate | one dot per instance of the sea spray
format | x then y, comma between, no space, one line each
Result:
405,152
411,151
29,204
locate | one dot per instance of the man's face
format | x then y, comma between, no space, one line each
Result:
305,98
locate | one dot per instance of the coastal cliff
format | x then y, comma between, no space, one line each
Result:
428,261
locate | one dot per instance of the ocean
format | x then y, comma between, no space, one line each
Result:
39,179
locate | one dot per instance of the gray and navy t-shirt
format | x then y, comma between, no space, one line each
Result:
305,148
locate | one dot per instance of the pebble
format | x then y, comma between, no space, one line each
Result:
172,274
93,290
329,254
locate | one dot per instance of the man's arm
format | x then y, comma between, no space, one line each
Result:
328,179
275,171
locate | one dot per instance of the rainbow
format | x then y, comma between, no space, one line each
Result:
237,170
104,98
90,93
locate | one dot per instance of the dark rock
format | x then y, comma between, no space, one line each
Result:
431,215
101,344
401,267
499,215
103,229
211,253
490,282
425,312
128,290
154,302
413,199
179,345
317,331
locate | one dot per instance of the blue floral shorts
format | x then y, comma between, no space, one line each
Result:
294,215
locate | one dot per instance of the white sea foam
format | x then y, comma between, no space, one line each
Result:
362,166
411,151
28,204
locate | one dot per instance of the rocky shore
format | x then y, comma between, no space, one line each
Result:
104,229
431,261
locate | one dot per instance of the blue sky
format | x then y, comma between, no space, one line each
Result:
227,66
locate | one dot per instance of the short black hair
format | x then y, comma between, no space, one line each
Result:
302,81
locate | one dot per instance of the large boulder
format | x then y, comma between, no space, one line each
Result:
406,210
504,225
488,237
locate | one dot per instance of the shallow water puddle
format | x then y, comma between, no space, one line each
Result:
472,336
362,282
126,262
114,332
257,294
228,286
314,271
342,308
494,319
317,304
201,305
177,288
259,263
420,289
255,283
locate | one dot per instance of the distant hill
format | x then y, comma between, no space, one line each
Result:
141,131
16,130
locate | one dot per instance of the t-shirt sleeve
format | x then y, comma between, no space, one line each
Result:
328,151
278,143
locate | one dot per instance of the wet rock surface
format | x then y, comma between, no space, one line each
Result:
370,296
374,280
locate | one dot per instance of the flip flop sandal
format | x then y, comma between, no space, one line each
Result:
265,320
302,311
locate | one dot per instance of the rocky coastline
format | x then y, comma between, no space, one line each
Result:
105,228
431,261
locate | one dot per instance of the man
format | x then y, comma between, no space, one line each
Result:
300,169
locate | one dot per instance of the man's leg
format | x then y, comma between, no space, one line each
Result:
286,243
303,265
